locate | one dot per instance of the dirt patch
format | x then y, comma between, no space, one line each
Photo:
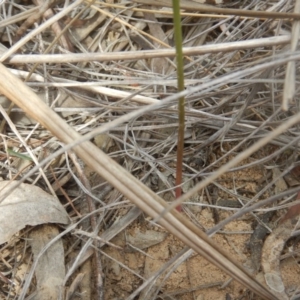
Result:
195,278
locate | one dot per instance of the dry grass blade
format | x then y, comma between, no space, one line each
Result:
146,54
193,5
45,25
236,69
132,188
290,77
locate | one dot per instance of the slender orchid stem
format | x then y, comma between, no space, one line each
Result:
181,101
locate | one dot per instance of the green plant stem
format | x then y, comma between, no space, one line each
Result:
181,101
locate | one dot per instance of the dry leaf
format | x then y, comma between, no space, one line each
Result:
50,269
270,259
280,184
27,205
143,240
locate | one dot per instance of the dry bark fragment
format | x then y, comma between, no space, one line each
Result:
270,260
256,242
50,270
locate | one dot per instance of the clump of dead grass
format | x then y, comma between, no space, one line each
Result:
235,72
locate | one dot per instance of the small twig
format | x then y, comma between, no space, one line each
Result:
38,30
5,279
63,192
42,8
64,39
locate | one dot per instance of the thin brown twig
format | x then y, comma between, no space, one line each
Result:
63,192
